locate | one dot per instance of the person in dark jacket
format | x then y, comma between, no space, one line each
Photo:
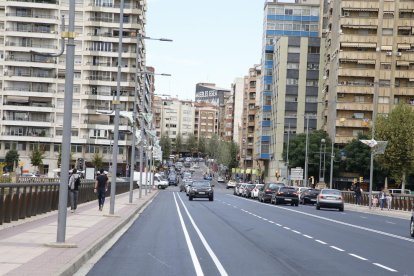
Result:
358,193
74,182
101,186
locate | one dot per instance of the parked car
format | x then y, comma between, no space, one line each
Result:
231,184
236,188
309,196
330,198
247,190
220,179
255,191
28,175
265,193
196,166
300,190
412,225
285,195
201,189
241,189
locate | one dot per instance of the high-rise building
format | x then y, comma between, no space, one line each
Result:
32,85
238,93
369,61
206,120
228,134
282,21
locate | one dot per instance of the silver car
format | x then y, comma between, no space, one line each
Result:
330,198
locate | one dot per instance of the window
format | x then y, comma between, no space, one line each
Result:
311,99
313,50
312,83
313,66
56,148
293,50
387,31
384,83
358,116
293,65
289,98
288,11
359,99
383,100
91,149
385,66
291,82
76,148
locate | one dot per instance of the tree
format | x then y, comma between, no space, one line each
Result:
202,145
37,156
12,157
356,156
398,129
191,143
213,147
234,151
165,144
224,155
178,143
97,161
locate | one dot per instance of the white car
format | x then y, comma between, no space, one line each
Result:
255,191
231,184
196,166
220,179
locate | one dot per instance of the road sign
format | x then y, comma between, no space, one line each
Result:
296,174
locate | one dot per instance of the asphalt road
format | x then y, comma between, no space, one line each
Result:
237,236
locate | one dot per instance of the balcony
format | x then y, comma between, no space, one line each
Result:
354,106
31,45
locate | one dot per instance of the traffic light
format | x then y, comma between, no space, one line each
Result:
361,179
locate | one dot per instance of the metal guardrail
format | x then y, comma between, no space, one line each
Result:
399,201
24,200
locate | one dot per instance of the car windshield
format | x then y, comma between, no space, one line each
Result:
201,184
287,189
275,186
259,186
331,192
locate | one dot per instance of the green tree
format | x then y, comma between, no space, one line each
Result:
224,155
97,161
37,156
59,161
398,129
165,144
213,147
234,151
178,143
202,145
356,156
191,143
11,159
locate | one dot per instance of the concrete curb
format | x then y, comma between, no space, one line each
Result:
391,213
75,265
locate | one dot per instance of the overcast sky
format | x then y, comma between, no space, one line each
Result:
214,41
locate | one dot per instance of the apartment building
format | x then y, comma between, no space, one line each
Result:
281,19
248,125
32,85
368,63
229,110
238,92
206,120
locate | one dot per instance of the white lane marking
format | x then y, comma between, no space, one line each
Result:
363,217
287,228
297,232
385,267
271,221
307,236
278,224
337,248
389,222
205,243
190,246
265,219
322,242
359,257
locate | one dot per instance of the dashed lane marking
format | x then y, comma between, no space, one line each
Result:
337,248
357,256
322,242
385,267
307,236
297,232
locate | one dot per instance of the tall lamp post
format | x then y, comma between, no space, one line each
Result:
322,163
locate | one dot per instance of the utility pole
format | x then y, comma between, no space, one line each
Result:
305,180
287,158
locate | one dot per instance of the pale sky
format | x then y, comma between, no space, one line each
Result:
214,41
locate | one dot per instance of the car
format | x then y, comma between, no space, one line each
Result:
241,188
400,191
299,190
172,179
186,175
247,190
208,177
28,175
201,189
236,188
220,179
309,196
184,184
255,191
285,195
187,164
265,194
231,184
330,198
196,166
412,225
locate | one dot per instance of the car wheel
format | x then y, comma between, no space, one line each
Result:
190,198
412,228
341,209
292,204
159,187
227,188
211,198
318,207
297,204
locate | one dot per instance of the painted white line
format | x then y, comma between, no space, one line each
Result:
322,242
297,232
271,221
389,222
307,236
356,256
205,243
265,219
193,254
278,224
287,228
337,248
385,267
259,217
363,217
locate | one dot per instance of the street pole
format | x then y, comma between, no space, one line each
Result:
320,162
67,125
151,171
324,159
305,181
332,161
146,171
116,104
371,167
287,157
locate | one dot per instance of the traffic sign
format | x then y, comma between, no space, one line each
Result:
296,173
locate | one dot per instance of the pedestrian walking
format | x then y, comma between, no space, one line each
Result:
101,186
374,202
74,183
389,201
358,194
382,198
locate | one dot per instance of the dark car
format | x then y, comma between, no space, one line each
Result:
412,225
285,195
309,196
208,177
187,164
201,189
172,179
247,191
265,193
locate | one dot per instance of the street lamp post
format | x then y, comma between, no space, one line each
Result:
305,180
322,164
287,157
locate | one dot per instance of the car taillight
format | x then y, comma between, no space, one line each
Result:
268,190
321,196
279,193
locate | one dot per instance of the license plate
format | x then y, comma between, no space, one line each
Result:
330,197
313,200
201,193
288,199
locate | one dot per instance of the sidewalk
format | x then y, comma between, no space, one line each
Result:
391,213
23,245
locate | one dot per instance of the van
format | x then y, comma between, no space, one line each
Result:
400,191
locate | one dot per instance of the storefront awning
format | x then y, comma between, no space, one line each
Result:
366,61
386,48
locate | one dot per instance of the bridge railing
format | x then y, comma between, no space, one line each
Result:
24,200
399,201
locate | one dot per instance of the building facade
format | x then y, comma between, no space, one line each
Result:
238,88
281,19
368,63
206,120
32,85
228,134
